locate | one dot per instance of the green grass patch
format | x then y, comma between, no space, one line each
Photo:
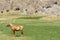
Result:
30,17
34,29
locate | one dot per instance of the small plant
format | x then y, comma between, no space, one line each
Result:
7,10
1,11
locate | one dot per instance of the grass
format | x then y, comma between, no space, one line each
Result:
30,17
34,29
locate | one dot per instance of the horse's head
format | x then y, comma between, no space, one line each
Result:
9,25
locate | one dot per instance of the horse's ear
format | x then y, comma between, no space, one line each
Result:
9,23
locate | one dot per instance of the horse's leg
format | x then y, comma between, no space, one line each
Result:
13,32
22,33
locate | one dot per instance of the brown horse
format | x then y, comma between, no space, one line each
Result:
16,28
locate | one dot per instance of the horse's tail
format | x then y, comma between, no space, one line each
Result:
22,27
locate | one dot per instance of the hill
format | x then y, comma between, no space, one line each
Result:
31,6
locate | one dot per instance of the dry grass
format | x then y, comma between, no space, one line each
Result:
51,17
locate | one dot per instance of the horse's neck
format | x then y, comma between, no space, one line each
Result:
11,25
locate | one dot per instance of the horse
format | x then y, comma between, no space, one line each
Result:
16,28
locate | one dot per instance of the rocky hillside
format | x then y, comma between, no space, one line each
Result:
32,6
